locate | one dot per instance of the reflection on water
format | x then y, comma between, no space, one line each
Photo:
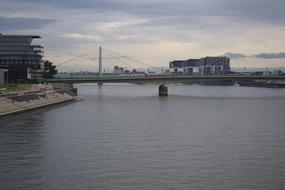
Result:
22,145
126,137
188,91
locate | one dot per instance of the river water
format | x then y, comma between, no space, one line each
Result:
126,137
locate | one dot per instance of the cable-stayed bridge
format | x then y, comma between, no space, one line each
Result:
162,80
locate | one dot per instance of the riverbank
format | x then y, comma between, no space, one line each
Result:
14,103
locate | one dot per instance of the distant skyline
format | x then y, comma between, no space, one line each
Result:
251,32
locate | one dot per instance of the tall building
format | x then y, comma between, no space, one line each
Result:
203,66
20,59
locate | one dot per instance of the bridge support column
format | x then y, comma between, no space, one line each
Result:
163,90
100,66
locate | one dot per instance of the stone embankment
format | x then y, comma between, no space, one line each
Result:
29,100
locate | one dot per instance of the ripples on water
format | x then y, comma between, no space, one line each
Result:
126,137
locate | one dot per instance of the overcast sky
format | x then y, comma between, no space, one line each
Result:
251,32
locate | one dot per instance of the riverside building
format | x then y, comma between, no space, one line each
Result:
20,59
203,66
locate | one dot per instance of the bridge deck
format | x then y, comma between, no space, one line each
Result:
162,79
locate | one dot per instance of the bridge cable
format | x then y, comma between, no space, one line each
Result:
75,58
126,57
119,59
108,60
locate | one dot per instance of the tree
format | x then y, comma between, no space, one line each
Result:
49,69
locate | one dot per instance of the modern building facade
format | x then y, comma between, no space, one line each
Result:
20,59
203,66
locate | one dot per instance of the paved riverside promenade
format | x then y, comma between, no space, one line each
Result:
30,100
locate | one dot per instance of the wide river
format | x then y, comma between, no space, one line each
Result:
123,136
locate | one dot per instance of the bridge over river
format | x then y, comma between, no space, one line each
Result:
163,80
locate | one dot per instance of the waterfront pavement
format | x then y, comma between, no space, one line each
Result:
9,105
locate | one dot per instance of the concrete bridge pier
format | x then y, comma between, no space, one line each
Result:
163,90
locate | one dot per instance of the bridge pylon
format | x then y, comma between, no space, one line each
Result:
100,66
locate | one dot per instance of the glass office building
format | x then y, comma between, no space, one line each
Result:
20,59
203,66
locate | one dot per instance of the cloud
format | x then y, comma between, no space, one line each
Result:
280,55
234,55
78,36
153,31
253,10
23,23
